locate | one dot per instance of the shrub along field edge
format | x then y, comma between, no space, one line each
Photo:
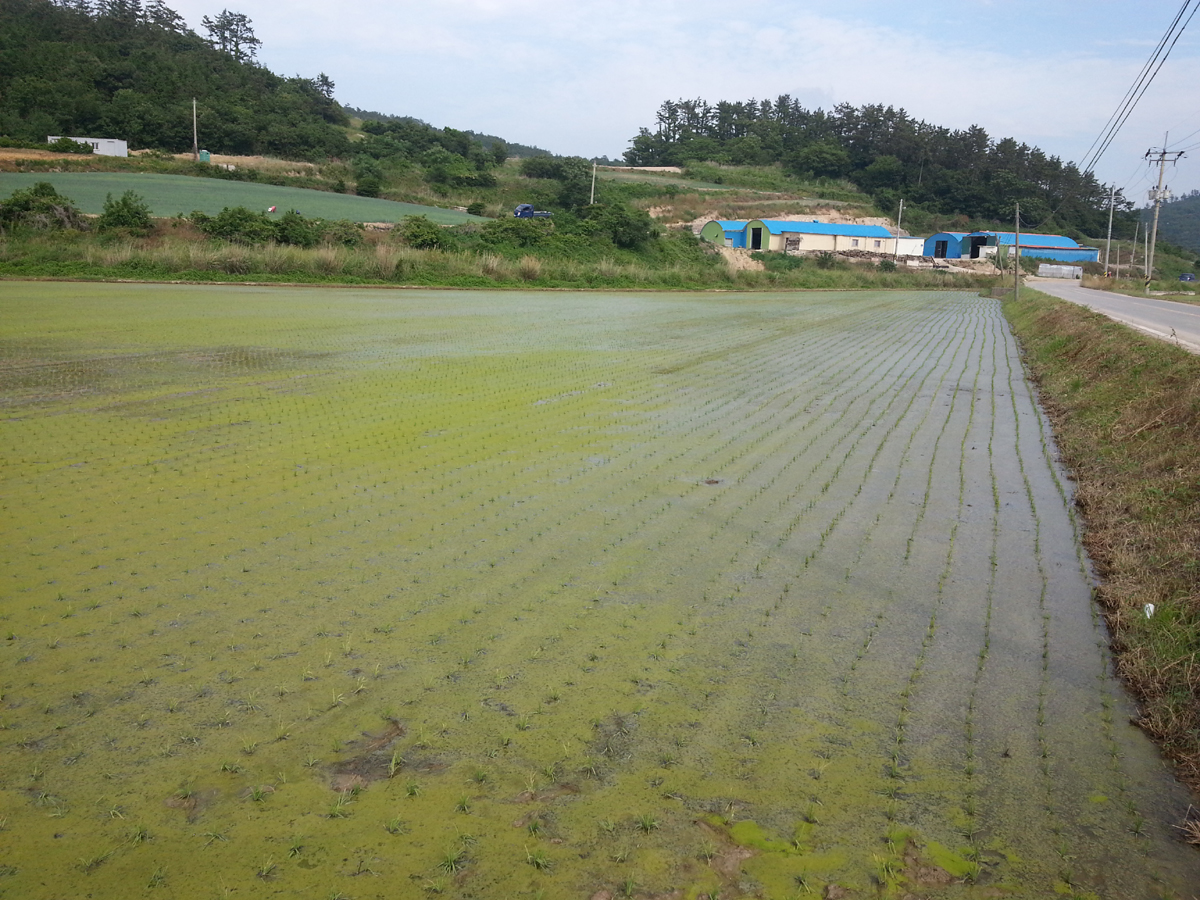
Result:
1126,414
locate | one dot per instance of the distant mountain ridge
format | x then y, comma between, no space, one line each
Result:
487,140
1179,221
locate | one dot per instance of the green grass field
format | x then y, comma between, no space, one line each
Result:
375,593
169,195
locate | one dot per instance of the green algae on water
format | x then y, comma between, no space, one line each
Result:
324,592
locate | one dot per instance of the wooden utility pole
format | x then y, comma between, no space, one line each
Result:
1111,200
1133,247
195,135
1158,195
1017,257
899,216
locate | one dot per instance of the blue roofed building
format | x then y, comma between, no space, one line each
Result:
727,232
945,245
1038,246
810,237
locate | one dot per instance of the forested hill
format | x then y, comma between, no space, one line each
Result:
488,141
1179,221
129,69
890,154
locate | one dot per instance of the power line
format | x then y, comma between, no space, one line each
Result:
1142,84
1125,101
1186,136
1135,93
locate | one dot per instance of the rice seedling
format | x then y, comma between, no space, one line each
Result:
452,860
338,809
89,864
537,858
395,825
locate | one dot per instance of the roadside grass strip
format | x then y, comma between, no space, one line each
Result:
508,594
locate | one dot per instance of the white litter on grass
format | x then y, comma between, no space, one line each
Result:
1149,610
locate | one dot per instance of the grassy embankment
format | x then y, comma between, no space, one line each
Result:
567,252
703,190
677,261
1126,411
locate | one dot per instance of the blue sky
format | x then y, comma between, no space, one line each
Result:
580,77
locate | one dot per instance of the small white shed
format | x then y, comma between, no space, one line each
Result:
103,146
1046,270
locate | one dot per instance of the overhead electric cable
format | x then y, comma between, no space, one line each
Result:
1144,83
1135,93
1109,125
1187,136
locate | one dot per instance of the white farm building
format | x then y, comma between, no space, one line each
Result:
102,146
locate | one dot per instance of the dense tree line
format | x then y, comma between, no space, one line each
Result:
487,140
447,157
890,154
129,69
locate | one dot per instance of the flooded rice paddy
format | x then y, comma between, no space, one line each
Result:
341,593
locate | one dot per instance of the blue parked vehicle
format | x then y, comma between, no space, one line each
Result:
1187,276
526,211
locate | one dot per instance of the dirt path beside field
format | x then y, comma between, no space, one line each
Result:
8,153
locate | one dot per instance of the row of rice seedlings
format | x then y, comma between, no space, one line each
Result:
972,757
1055,821
870,530
762,721
898,755
821,766
1068,851
1107,686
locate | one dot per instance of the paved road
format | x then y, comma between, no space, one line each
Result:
1176,322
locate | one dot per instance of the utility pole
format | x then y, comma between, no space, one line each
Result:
1017,257
195,135
1158,195
592,202
899,216
1111,200
1133,247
